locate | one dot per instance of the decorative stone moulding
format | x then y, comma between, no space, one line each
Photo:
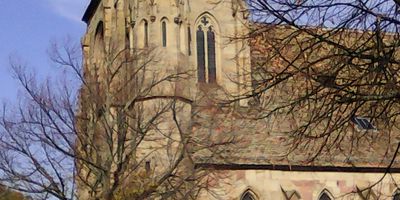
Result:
152,18
85,41
178,20
245,15
133,22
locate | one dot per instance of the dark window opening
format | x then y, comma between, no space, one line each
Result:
363,123
189,42
146,34
201,68
248,196
148,166
324,196
206,51
99,38
396,196
212,73
127,41
164,33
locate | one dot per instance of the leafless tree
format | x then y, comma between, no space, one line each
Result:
324,64
6,194
121,136
328,72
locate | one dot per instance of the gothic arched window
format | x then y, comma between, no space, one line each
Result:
146,33
248,195
99,40
98,47
189,32
164,32
206,51
142,32
201,64
324,196
396,195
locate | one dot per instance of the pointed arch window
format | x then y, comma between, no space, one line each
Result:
206,52
99,37
146,33
324,196
97,72
201,64
189,32
164,33
99,45
212,74
248,195
396,195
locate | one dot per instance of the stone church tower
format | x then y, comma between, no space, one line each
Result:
182,32
199,37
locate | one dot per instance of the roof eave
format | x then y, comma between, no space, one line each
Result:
300,168
90,10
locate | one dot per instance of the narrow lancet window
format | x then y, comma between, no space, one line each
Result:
127,41
164,33
201,68
99,46
146,34
212,73
189,41
206,51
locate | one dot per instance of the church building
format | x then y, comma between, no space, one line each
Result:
205,37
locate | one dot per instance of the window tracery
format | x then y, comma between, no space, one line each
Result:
206,51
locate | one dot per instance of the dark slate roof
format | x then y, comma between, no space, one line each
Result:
90,10
255,146
263,144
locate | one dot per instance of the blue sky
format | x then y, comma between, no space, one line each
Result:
26,29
